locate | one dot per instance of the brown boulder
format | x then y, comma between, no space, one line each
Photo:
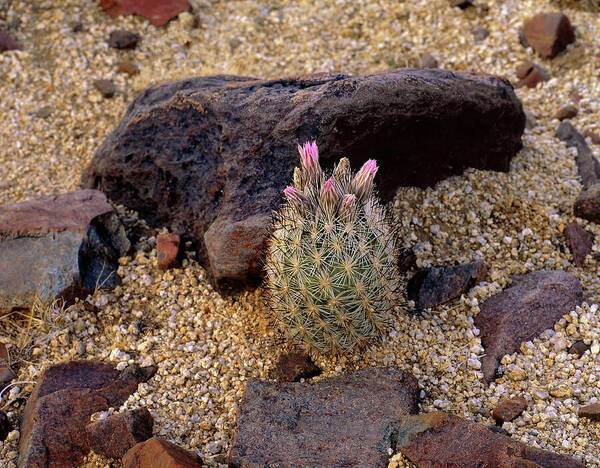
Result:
444,440
61,245
158,453
7,42
533,303
159,12
334,422
57,412
549,33
579,242
439,284
590,411
115,435
209,157
292,367
509,409
167,248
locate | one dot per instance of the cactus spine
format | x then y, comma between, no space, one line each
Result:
331,264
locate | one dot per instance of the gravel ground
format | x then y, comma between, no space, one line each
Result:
52,119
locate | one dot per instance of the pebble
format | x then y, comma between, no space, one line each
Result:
123,39
106,87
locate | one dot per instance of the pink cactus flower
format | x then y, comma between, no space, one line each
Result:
328,193
293,195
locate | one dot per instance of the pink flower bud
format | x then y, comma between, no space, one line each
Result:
294,195
309,157
328,193
348,206
363,180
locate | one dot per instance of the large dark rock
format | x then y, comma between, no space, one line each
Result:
61,245
335,422
444,440
532,304
209,157
57,412
439,284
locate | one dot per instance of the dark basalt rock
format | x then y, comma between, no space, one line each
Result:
209,157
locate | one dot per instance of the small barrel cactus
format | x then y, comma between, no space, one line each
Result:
331,265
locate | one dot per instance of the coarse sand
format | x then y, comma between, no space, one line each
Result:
206,346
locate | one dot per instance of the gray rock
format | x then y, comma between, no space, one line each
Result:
334,422
587,164
440,284
209,157
61,245
532,304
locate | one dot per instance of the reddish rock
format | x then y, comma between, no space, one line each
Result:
66,395
167,248
159,12
6,373
158,453
531,75
587,164
579,242
337,421
549,33
595,137
587,204
61,245
128,67
532,304
578,348
5,426
7,42
122,39
444,440
440,284
295,366
209,157
106,87
590,411
566,112
115,435
509,409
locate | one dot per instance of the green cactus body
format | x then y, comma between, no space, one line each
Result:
331,265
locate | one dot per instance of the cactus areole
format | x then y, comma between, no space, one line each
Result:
331,265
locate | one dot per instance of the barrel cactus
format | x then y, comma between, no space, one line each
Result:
331,264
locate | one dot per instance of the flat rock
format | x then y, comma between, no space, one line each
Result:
579,242
7,42
590,411
159,12
61,245
440,284
158,453
292,367
532,304
587,165
509,409
337,421
66,395
209,157
443,440
115,435
549,33
167,248
123,39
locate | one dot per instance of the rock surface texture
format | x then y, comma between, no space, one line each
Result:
533,303
209,157
444,440
115,435
437,285
158,453
335,422
53,429
61,245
